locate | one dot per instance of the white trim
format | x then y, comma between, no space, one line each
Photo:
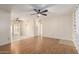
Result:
74,28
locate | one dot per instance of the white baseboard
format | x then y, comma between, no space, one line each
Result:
1,44
21,38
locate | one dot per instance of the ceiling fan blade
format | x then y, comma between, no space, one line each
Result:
44,14
44,11
36,10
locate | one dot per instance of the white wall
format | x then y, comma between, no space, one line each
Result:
58,27
53,26
27,27
4,27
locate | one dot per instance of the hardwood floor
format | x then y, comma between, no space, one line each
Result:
39,46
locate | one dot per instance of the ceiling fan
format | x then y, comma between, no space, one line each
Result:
40,12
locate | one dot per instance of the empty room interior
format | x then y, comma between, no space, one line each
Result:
38,29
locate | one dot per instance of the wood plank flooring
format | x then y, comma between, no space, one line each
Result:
37,45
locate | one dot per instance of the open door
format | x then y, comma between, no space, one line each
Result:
16,29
